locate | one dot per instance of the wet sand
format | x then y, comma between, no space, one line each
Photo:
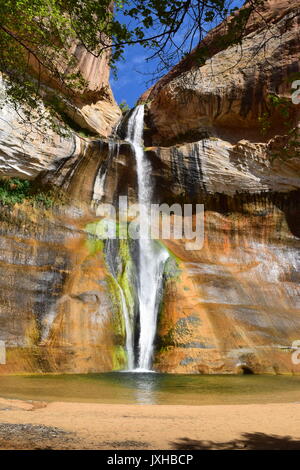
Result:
58,425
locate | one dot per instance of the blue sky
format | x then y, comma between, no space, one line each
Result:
131,81
135,74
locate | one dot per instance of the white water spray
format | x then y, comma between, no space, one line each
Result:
152,256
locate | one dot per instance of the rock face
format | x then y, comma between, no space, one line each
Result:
213,165
27,149
93,106
235,303
60,306
213,137
57,308
56,301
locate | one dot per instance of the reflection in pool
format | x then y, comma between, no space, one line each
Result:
152,388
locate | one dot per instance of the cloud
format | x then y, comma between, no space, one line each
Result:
139,59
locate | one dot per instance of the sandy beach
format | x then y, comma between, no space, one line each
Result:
58,425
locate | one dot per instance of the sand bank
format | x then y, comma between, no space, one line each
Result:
57,425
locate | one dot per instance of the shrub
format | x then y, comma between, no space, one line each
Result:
16,191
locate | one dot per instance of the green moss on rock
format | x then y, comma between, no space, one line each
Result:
126,277
119,358
118,323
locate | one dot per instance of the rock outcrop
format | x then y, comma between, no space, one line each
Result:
30,148
91,106
234,304
26,150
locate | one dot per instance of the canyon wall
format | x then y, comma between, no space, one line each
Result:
57,312
219,133
234,304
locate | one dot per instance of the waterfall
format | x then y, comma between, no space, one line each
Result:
152,256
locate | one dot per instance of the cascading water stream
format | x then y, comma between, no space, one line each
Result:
152,256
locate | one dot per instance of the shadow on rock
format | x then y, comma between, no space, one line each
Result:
248,441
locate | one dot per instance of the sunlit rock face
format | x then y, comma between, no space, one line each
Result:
225,97
92,107
234,304
27,149
60,310
58,313
213,165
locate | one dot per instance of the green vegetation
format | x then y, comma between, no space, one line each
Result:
14,191
126,276
283,105
124,107
95,232
118,323
172,270
264,122
284,108
124,280
94,245
17,191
